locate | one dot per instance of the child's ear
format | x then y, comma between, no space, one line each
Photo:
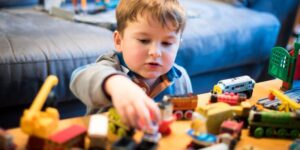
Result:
117,41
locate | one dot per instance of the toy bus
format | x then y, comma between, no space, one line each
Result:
242,84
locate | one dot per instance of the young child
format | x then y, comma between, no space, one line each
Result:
147,40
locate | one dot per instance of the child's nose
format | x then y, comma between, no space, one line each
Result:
155,51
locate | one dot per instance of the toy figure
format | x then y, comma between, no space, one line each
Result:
167,117
198,124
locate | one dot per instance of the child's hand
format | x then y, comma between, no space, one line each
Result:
131,102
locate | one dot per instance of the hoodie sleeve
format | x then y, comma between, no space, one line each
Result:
87,81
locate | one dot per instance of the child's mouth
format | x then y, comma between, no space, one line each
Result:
153,64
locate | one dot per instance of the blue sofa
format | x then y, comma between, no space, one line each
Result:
221,40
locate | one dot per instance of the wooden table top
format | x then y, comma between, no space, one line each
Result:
179,139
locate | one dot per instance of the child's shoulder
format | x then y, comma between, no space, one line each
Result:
108,55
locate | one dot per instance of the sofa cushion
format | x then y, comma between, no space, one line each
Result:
35,45
220,36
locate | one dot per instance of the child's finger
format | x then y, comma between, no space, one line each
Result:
131,114
142,111
122,114
154,110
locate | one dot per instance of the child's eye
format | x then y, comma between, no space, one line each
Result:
166,43
144,41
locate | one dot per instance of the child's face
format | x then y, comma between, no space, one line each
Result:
148,49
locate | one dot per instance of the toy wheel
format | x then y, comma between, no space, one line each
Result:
259,132
188,114
249,93
178,114
294,133
269,132
282,132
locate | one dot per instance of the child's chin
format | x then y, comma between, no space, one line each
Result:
151,75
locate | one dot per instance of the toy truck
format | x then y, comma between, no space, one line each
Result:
242,84
274,124
183,105
34,122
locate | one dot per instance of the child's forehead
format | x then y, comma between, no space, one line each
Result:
149,19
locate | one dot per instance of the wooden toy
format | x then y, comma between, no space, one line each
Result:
232,127
287,104
274,124
35,122
282,64
216,113
242,84
229,98
183,105
202,140
116,128
166,110
72,136
97,131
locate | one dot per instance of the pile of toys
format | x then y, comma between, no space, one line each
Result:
216,124
229,111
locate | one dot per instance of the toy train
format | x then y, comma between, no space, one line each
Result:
242,84
183,105
274,123
229,98
230,133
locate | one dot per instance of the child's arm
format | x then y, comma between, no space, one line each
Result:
131,102
86,82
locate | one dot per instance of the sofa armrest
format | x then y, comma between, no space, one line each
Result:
285,11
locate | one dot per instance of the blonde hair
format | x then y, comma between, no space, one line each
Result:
164,11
